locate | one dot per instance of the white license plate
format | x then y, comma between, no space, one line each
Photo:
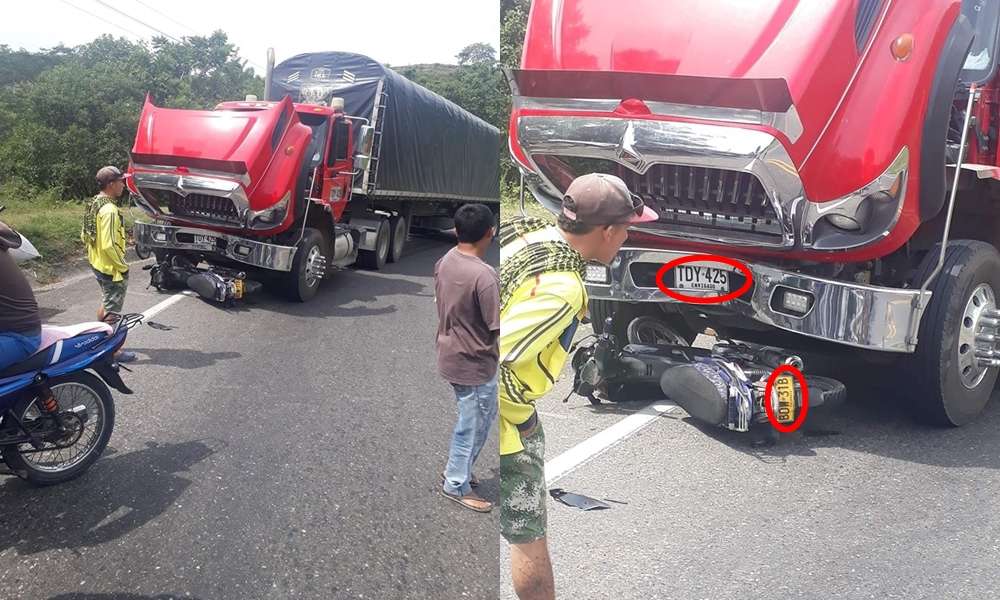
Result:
204,239
692,278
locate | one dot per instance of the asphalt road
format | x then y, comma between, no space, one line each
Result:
272,451
863,504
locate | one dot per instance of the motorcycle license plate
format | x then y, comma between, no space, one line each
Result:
693,278
784,387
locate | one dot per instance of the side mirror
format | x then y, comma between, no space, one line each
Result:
365,146
367,142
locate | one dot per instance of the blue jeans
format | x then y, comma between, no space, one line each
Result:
15,347
477,409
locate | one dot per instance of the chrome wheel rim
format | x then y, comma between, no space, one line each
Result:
312,266
972,351
649,331
69,396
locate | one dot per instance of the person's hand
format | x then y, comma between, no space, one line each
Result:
9,239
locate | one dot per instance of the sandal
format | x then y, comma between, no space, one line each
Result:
470,501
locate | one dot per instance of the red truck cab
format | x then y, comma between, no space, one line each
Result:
813,141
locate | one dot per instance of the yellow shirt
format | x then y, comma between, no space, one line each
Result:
537,327
107,253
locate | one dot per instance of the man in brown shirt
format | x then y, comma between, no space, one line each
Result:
20,325
467,292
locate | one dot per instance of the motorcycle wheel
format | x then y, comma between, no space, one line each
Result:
55,463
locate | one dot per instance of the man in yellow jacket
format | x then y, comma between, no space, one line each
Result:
104,235
542,300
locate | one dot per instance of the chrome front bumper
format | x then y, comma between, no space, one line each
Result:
864,316
247,251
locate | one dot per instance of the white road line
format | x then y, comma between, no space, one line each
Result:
156,309
563,464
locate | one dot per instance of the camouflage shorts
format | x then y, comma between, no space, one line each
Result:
112,292
522,490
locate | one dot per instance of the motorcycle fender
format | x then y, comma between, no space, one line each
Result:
111,377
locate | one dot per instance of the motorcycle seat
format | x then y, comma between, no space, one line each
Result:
60,344
52,334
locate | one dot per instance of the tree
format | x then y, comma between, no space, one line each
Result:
477,54
513,22
64,113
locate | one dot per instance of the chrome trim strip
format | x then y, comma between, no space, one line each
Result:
863,316
267,256
244,178
192,184
639,143
787,122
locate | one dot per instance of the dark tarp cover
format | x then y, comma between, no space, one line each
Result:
431,147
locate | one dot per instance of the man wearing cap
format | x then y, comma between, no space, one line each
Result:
104,235
542,300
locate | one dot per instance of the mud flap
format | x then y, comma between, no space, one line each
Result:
109,373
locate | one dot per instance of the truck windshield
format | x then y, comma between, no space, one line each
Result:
985,18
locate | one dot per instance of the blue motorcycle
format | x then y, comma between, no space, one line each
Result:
56,411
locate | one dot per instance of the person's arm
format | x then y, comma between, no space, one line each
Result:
527,328
489,304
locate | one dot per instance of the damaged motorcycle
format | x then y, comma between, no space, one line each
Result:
733,385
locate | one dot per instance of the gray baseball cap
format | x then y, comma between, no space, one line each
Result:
599,199
107,175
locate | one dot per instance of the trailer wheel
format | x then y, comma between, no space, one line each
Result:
308,267
376,259
950,388
399,229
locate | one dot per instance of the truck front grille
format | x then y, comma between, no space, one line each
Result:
683,196
197,207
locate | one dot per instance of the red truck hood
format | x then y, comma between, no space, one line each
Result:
800,42
225,140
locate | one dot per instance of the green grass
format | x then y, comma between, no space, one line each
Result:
52,225
510,205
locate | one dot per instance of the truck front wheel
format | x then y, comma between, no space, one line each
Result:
951,386
308,267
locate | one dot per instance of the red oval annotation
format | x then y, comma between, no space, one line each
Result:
739,266
801,418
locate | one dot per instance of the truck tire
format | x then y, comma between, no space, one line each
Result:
948,388
376,259
302,282
399,230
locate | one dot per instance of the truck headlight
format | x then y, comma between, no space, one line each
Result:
270,217
862,217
